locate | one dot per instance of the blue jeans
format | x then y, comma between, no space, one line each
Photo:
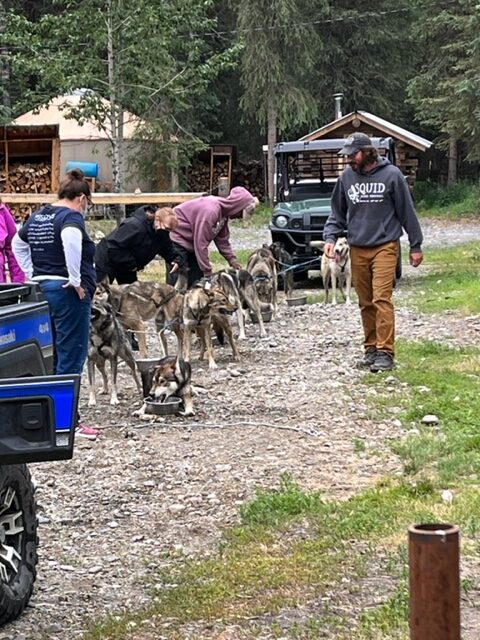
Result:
70,325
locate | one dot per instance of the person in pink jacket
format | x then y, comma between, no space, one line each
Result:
205,219
8,229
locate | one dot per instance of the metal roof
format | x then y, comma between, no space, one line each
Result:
375,121
326,144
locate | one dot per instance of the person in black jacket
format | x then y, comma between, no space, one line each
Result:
135,243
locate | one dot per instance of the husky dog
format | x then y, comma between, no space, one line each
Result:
201,306
170,377
263,269
136,303
169,316
284,262
337,271
107,342
226,282
249,297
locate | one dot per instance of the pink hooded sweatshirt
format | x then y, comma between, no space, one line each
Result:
7,230
205,219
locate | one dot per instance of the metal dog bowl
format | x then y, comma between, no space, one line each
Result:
169,407
297,301
144,364
266,316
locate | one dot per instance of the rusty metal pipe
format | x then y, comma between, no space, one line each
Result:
433,554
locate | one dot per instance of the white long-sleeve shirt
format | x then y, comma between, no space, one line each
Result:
72,247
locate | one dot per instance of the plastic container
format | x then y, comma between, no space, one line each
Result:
90,169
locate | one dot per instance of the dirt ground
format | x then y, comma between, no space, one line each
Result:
148,491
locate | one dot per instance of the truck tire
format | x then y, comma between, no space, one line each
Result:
18,540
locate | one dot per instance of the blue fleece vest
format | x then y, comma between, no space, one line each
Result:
42,232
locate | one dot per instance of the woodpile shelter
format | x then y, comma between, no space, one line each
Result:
408,146
29,158
217,167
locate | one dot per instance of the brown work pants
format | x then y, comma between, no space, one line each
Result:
373,274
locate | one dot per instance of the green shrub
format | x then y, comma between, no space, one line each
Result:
432,198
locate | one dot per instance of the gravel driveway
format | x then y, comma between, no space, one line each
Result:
145,492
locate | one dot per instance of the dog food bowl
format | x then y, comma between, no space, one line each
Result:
297,301
266,316
144,364
169,407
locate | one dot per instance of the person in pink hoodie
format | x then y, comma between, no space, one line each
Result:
205,219
8,229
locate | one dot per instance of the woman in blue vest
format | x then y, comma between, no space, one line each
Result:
54,249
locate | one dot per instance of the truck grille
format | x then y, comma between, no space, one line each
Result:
317,222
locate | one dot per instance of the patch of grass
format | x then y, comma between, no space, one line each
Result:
453,281
389,620
359,445
274,507
436,200
445,382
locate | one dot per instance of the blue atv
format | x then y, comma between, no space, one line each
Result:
38,414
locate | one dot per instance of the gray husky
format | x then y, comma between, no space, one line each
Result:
107,342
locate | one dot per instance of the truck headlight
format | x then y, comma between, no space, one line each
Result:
281,221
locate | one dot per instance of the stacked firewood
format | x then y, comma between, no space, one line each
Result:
250,176
199,175
26,177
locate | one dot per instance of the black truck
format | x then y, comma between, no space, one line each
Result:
38,414
305,174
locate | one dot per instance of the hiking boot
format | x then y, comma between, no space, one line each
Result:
368,357
83,431
383,362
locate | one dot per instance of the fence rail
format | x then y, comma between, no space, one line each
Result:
99,198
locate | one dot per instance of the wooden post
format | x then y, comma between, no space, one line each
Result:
433,552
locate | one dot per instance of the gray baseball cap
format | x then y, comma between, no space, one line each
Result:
354,143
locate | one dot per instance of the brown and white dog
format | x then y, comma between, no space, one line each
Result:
107,343
337,272
262,266
172,376
138,302
206,307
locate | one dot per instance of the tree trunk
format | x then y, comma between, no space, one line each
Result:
271,141
115,115
174,168
5,109
452,176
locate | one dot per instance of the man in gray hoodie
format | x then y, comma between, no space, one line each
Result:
372,201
